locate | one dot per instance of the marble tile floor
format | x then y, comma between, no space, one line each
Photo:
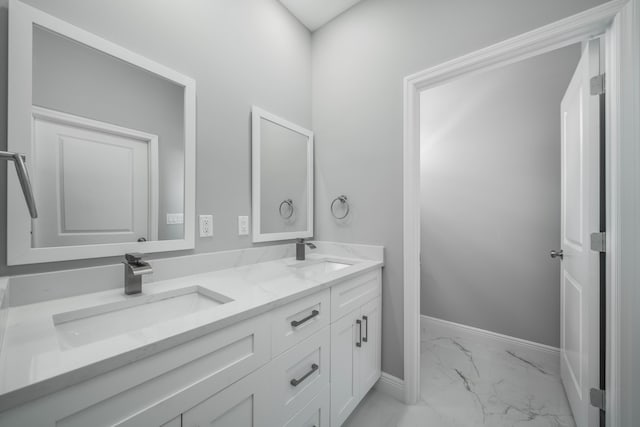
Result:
470,380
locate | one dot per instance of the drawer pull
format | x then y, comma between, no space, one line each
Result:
366,329
359,343
296,323
294,382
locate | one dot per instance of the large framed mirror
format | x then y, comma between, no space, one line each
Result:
282,178
109,141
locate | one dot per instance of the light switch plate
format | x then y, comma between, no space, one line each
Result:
243,225
175,218
206,225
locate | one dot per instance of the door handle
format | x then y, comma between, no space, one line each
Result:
294,382
557,254
359,323
296,323
366,329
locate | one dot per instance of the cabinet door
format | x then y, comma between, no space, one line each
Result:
370,352
315,414
243,404
345,333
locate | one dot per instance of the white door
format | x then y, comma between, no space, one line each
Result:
93,185
345,393
579,215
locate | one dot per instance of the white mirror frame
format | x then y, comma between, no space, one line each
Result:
257,114
22,18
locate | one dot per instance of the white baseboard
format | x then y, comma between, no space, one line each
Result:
391,386
425,320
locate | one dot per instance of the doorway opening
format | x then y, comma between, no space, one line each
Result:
509,173
609,21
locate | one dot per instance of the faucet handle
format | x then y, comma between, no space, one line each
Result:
134,257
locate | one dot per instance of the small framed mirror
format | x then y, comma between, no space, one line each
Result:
109,141
282,178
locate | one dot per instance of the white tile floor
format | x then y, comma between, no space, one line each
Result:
472,381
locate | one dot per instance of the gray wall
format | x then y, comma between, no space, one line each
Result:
76,79
359,61
490,208
239,52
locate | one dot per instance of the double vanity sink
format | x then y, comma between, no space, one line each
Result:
91,324
266,318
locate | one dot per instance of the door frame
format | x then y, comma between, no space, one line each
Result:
617,22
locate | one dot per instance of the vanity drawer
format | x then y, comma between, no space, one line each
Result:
315,414
300,374
299,320
353,293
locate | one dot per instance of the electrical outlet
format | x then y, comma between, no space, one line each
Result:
243,225
206,225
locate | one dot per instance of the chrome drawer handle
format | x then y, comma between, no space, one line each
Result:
359,323
294,382
366,329
296,323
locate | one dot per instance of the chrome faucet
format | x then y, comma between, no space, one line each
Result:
300,248
23,176
134,269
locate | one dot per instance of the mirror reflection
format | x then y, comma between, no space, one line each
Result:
282,168
108,147
283,174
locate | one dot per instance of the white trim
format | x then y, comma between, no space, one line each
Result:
391,386
623,249
257,114
22,18
150,139
580,27
154,188
483,333
613,294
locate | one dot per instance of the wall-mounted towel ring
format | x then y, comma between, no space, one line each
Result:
289,203
343,201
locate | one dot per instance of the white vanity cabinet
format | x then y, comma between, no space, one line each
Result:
355,343
242,404
154,390
304,364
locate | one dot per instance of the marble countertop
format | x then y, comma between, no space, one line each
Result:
34,363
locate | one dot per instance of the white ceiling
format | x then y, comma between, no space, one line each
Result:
315,13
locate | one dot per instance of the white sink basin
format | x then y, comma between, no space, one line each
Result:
88,325
318,267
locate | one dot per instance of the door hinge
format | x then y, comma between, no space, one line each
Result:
597,398
598,85
599,241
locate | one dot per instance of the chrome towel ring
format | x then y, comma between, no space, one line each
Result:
289,203
343,201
